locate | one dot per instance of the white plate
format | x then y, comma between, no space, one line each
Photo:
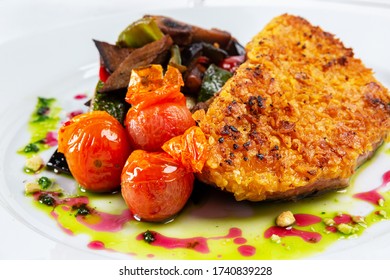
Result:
62,62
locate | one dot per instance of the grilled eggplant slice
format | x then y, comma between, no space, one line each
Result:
112,55
185,34
156,52
58,164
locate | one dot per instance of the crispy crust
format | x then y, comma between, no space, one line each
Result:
297,117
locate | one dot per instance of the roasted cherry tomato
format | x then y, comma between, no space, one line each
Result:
96,147
158,110
190,148
151,127
155,186
148,85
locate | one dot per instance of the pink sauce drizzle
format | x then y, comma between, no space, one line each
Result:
331,229
303,220
75,113
239,240
374,196
51,139
308,236
339,219
108,222
370,196
80,96
57,201
233,233
199,244
99,245
96,245
342,219
247,250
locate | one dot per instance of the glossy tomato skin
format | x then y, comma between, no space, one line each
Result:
96,147
152,126
155,187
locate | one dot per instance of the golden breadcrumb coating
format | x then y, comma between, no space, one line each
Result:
297,117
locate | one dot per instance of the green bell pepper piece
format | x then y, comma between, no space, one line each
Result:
112,103
139,33
213,80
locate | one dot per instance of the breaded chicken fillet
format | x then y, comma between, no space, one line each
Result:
297,118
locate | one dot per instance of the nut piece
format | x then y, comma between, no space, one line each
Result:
382,213
285,219
32,187
34,163
276,238
346,229
329,222
358,219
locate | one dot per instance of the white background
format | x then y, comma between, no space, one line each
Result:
19,17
